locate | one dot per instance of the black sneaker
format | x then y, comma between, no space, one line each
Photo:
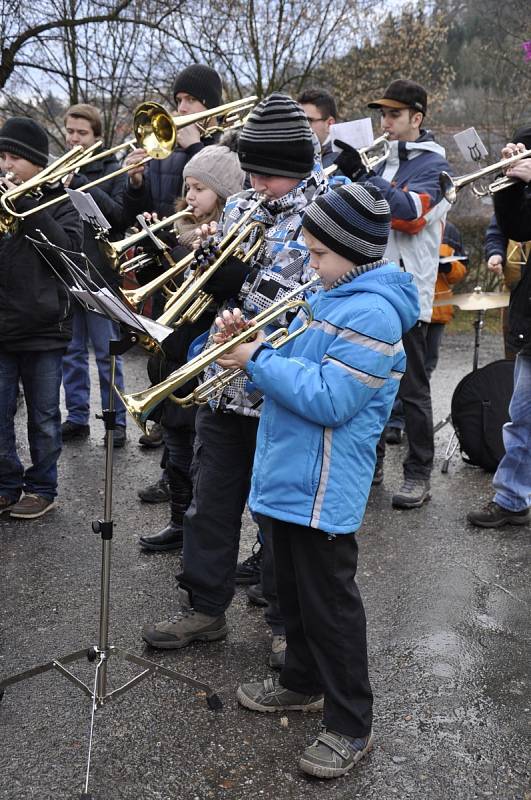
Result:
71,430
248,571
494,516
255,595
393,435
158,492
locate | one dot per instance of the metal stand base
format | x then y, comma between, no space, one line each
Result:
103,652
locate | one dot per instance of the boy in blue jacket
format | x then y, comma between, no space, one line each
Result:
328,395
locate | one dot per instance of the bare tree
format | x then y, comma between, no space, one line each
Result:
264,45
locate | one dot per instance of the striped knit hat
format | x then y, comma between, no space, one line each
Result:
276,139
353,221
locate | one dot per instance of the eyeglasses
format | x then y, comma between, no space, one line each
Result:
316,119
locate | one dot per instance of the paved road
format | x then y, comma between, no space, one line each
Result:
447,607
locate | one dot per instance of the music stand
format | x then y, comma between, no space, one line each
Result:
478,301
103,651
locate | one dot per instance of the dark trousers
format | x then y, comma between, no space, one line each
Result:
272,614
414,392
221,472
325,623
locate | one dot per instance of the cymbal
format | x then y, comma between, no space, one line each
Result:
475,301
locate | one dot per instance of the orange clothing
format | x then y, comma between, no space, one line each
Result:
444,282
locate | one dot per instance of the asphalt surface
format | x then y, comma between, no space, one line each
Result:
448,612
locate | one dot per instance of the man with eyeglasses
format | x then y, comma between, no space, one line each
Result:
321,111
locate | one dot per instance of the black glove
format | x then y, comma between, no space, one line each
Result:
228,279
349,162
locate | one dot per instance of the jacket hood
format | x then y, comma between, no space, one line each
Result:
391,283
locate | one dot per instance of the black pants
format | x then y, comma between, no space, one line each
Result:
272,614
415,395
221,472
325,623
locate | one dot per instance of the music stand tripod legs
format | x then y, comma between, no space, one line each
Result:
453,442
103,651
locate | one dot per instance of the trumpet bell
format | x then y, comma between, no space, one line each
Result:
448,187
154,129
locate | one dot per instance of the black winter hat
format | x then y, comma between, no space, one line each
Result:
277,139
353,221
201,82
403,94
22,136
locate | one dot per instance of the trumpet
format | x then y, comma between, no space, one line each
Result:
115,250
140,404
371,160
451,186
155,131
190,301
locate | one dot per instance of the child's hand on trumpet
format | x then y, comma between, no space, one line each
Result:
229,324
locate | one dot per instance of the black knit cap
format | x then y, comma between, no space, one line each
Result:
277,139
201,82
23,137
353,221
403,94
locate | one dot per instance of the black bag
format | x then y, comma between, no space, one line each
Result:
480,408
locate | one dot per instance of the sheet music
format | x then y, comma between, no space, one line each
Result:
104,300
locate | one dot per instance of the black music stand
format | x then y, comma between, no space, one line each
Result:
103,651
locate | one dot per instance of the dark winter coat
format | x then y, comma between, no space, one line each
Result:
513,213
109,197
35,309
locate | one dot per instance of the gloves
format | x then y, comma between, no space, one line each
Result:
350,163
228,279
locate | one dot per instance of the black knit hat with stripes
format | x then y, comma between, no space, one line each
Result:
23,137
353,221
277,139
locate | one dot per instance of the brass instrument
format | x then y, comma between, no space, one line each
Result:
135,297
450,186
371,160
155,131
190,301
115,250
141,404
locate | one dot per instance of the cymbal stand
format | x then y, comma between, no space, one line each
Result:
103,651
453,443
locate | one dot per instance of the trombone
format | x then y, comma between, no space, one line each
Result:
141,404
451,186
155,131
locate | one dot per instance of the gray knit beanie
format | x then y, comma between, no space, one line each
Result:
217,167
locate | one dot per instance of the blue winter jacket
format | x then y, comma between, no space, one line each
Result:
329,393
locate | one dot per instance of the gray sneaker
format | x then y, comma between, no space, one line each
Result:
412,494
278,651
31,506
269,696
334,754
187,626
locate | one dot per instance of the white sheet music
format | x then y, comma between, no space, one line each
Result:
357,133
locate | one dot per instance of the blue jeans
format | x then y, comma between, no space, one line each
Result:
76,377
40,373
512,481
